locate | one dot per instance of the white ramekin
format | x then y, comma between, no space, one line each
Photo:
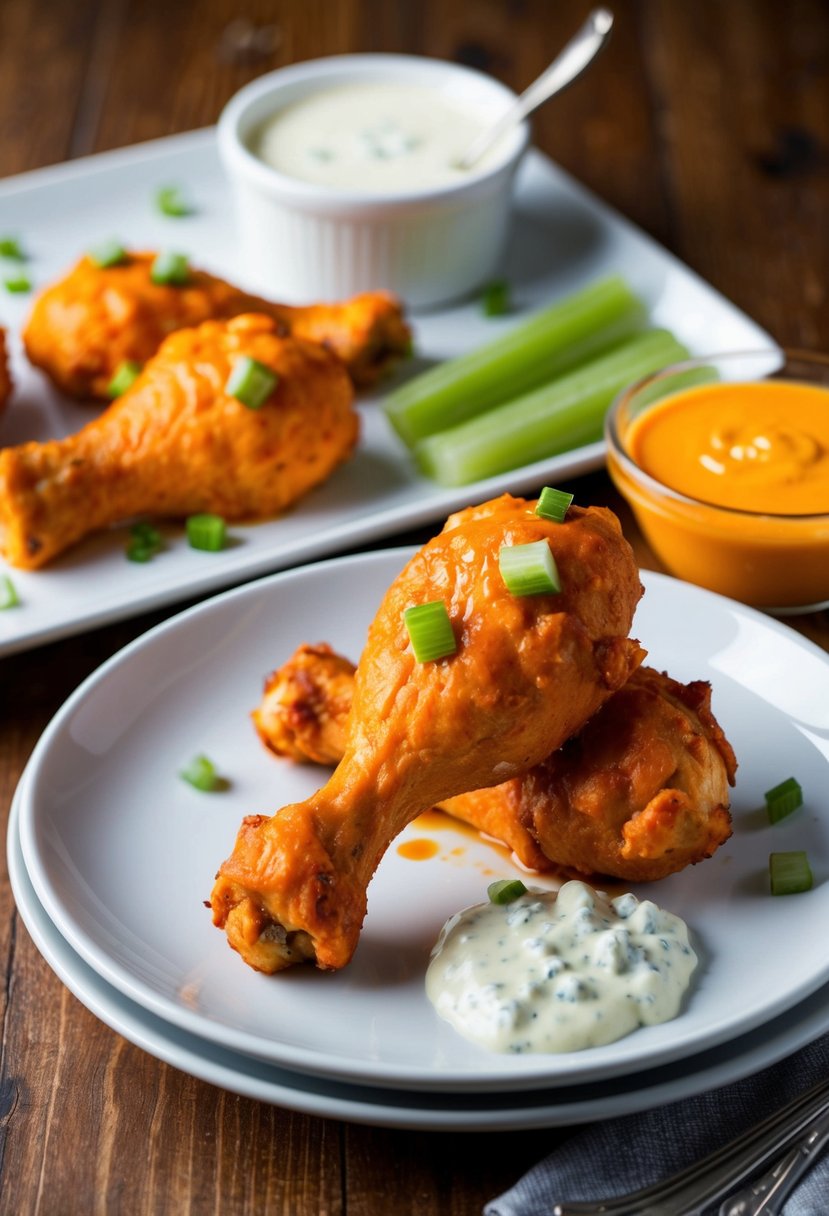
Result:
302,242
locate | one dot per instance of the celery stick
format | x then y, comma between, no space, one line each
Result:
561,337
563,414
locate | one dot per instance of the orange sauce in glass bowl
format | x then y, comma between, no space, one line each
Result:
729,483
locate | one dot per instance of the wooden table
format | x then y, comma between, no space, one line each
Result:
708,125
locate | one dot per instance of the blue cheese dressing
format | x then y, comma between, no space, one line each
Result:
559,972
381,138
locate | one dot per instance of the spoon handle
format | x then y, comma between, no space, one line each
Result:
567,65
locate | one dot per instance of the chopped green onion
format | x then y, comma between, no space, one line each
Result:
8,593
505,890
201,774
553,504
108,253
430,631
11,248
529,569
251,382
533,352
147,533
564,414
145,543
125,376
205,532
783,799
495,302
171,201
789,873
18,284
170,269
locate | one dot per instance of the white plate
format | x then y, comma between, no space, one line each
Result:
564,238
388,1107
122,853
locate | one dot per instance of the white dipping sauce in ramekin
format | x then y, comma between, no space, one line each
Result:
382,137
554,973
429,241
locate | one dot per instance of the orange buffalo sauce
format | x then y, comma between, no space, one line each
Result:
749,464
757,447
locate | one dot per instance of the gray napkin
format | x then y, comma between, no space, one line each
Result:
622,1155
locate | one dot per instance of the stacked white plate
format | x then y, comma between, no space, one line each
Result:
112,855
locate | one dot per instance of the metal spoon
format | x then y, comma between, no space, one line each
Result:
567,65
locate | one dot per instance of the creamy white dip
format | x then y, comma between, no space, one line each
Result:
381,138
553,973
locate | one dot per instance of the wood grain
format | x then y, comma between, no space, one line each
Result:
707,124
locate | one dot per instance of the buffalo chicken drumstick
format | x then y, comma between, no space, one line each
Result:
178,442
97,317
527,673
639,793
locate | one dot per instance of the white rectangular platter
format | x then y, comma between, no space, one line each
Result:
562,238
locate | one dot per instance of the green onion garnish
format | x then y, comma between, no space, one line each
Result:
108,253
789,873
430,631
18,284
495,302
251,382
205,532
126,374
553,504
201,774
783,799
171,201
529,569
11,248
145,542
170,269
8,593
505,890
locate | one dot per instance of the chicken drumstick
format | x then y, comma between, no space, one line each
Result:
96,317
639,793
177,443
527,673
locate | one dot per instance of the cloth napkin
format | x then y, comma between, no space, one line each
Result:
624,1154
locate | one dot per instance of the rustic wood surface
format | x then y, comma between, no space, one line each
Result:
708,125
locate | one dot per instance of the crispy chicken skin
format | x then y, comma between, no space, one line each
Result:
304,709
642,790
176,443
639,793
82,327
5,374
527,673
303,715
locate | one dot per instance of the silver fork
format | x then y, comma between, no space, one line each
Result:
694,1190
766,1195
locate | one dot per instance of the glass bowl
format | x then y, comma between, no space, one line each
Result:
774,561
